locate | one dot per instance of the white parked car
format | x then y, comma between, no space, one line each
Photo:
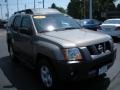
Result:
111,27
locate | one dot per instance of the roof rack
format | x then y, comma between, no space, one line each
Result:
27,11
38,11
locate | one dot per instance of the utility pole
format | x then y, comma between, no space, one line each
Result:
25,6
90,9
40,3
34,4
6,1
43,3
17,5
84,9
80,9
1,12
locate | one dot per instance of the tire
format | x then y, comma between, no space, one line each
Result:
12,54
47,76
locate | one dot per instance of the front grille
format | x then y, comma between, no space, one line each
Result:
99,48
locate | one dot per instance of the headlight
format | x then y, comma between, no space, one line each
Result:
72,54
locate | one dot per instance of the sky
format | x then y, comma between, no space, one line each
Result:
12,4
117,2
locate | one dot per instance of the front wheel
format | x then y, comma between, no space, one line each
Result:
47,76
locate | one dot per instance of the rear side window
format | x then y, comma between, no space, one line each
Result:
17,22
10,21
112,22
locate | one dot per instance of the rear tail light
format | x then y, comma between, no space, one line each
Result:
117,28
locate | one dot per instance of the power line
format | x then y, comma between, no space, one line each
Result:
43,1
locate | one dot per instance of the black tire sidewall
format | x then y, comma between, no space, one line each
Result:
54,79
10,47
13,57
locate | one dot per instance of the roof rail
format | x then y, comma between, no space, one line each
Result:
38,11
27,11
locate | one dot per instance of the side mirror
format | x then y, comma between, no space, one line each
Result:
25,30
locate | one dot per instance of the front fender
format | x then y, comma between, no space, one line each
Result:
48,49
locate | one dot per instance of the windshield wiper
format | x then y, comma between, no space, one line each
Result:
66,28
43,31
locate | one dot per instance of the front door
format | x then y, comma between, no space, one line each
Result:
26,39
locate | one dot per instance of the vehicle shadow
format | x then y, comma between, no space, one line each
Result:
24,78
19,75
91,84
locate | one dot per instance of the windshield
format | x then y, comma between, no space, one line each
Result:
54,22
112,22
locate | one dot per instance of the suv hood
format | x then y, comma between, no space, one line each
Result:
76,37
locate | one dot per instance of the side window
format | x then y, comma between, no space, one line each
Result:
17,22
26,26
10,21
26,23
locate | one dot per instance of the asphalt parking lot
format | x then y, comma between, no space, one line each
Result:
18,77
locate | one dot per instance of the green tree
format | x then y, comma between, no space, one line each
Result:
53,6
100,6
58,8
61,9
73,8
80,8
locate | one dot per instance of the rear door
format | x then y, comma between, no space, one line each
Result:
15,33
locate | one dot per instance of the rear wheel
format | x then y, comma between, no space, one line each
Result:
12,54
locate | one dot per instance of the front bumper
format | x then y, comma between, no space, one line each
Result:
76,70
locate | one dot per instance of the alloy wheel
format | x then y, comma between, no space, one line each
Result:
46,76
